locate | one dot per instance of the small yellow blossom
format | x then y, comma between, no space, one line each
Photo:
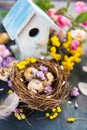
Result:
22,116
56,43
68,65
71,119
67,44
79,51
33,60
55,115
53,109
47,114
28,59
69,36
59,109
53,54
17,115
21,110
51,118
53,49
10,91
22,64
54,38
56,56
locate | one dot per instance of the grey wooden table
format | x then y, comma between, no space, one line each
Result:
68,110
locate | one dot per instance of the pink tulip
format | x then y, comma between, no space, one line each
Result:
79,35
52,11
62,35
54,17
84,23
80,7
75,44
62,21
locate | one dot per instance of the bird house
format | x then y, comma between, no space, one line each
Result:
29,26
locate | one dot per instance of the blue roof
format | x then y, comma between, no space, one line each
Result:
20,14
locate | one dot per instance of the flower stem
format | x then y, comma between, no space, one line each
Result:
28,122
68,3
79,118
41,118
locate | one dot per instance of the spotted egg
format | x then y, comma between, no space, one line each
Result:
30,73
35,86
49,79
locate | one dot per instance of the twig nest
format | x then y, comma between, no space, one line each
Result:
11,64
30,73
4,74
35,86
39,83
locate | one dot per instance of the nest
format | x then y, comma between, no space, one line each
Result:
41,101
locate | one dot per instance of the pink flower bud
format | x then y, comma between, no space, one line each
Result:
80,7
75,44
62,21
84,23
62,35
16,110
52,11
54,17
84,9
79,35
55,33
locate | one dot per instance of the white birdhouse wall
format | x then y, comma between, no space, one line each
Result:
33,38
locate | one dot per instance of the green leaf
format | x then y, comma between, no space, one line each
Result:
44,4
3,13
82,17
62,11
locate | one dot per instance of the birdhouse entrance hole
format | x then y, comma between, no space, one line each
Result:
34,32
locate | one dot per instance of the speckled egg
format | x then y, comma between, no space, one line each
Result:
49,79
30,73
36,86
